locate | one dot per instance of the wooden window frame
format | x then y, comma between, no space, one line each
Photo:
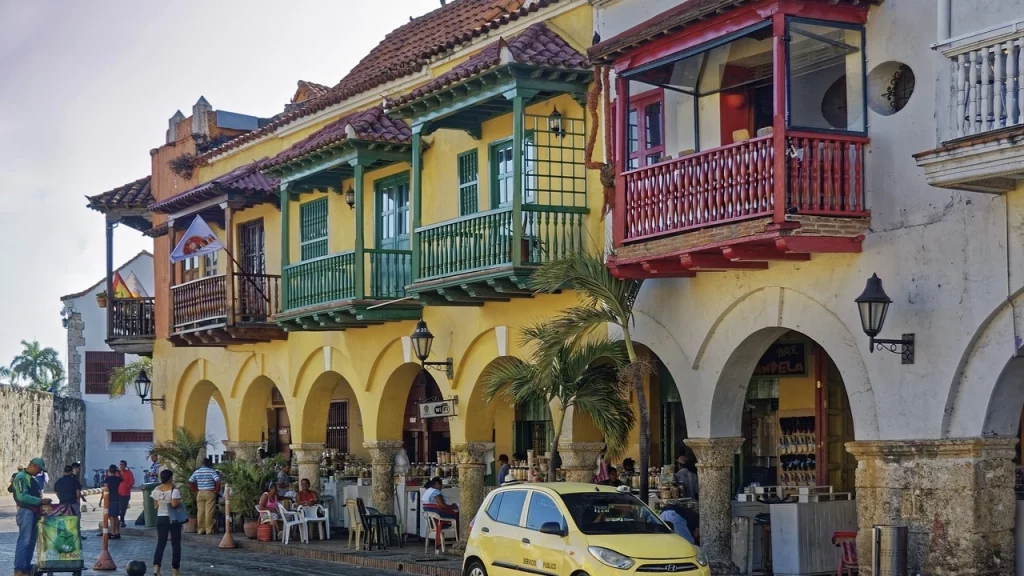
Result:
313,241
378,211
639,104
529,169
98,366
131,437
467,187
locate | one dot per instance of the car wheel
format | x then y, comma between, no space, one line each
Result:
475,568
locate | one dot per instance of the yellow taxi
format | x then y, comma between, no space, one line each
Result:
567,529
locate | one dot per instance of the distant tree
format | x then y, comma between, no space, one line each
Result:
40,367
8,376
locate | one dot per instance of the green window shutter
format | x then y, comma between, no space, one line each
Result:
313,226
469,175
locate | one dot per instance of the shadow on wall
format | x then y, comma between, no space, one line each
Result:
38,424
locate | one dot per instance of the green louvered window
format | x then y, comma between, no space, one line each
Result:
313,224
469,176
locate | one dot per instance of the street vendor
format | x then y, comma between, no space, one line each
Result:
434,501
686,473
28,497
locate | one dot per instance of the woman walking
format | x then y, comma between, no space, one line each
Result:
166,496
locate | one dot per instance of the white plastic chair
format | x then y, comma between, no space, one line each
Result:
311,514
435,526
267,518
292,520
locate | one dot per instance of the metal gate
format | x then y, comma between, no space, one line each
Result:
337,427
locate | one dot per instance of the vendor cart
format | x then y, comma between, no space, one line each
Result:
59,543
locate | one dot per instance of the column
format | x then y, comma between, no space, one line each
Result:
229,262
518,161
307,461
360,263
417,195
471,480
110,277
714,481
285,249
382,458
955,496
242,450
579,459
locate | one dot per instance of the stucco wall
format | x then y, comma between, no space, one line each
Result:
37,424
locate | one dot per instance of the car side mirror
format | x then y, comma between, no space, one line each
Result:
553,528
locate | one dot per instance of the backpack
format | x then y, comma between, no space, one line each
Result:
10,487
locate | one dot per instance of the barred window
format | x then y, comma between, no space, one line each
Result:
130,436
98,366
313,226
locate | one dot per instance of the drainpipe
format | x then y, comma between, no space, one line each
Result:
945,20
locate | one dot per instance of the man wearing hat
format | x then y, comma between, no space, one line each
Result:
29,498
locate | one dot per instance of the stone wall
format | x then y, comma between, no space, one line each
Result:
38,424
76,338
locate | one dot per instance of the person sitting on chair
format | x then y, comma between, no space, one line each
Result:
306,496
433,501
268,503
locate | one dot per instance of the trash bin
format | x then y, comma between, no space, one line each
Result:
148,510
889,550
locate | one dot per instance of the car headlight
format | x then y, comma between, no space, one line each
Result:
702,558
610,557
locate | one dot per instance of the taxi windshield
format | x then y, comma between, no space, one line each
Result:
607,513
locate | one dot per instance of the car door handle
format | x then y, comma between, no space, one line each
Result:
485,529
526,540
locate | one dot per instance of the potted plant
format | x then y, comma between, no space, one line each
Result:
181,456
101,299
248,481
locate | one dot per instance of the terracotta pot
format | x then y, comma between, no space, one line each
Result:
190,526
250,528
101,301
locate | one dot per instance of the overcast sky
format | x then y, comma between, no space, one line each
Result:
86,89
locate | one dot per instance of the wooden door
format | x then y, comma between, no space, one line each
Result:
252,291
284,434
272,431
834,426
337,426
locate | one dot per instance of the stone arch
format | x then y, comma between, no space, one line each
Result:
319,361
393,396
393,353
740,336
476,421
312,428
193,411
251,421
984,376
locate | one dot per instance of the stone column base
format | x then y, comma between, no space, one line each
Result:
955,496
382,459
579,459
242,450
471,480
307,462
714,482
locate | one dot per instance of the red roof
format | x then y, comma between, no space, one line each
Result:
536,46
137,194
405,50
245,180
371,124
686,13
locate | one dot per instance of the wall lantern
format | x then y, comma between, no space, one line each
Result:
422,341
555,123
350,197
873,304
143,387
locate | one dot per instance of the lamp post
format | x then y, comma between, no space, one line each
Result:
873,305
422,341
143,387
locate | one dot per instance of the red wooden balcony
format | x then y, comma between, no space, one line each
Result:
201,315
132,325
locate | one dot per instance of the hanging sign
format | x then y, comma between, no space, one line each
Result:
198,240
437,409
783,359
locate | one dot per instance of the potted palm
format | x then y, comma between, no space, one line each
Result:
181,455
101,299
248,480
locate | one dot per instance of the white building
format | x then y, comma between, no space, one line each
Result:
759,232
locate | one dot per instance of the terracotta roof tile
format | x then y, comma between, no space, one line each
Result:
246,180
404,51
137,194
371,124
685,14
314,88
536,46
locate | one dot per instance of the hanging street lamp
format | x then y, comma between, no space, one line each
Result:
350,197
873,305
555,123
422,341
143,387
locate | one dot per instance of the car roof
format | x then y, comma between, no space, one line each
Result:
559,487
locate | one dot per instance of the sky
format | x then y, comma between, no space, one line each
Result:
86,90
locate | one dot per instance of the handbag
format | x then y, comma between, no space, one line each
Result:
177,514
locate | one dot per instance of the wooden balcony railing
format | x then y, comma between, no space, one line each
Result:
824,175
132,318
988,78
484,240
390,273
203,302
320,280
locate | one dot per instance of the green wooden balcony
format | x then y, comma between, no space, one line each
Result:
479,257
324,293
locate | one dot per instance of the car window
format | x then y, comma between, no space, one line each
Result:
510,510
541,511
492,508
612,513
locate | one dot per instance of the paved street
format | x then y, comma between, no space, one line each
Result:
195,559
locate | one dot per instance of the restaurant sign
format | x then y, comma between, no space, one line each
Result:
437,409
783,359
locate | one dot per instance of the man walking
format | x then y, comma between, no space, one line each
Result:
153,474
124,491
205,482
28,497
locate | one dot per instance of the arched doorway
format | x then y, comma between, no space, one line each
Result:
424,438
279,426
204,415
331,416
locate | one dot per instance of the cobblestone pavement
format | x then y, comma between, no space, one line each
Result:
196,560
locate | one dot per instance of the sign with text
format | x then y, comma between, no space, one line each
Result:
783,359
438,409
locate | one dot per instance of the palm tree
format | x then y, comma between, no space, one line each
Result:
123,377
8,376
603,299
40,366
181,455
582,374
